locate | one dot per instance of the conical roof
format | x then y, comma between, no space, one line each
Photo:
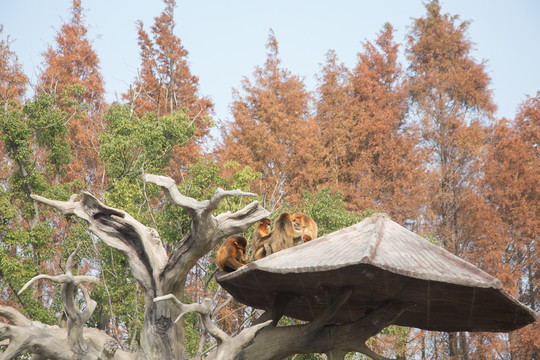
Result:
382,261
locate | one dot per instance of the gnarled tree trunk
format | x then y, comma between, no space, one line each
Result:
156,272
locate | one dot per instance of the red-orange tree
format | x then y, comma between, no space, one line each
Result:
272,131
450,94
12,79
165,83
72,61
367,148
512,185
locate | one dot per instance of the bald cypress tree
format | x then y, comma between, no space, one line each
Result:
71,71
450,93
165,83
271,130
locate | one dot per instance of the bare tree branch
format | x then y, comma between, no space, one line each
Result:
228,346
220,194
51,342
168,185
206,230
14,316
61,279
140,244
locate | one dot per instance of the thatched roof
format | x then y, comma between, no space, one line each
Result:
382,261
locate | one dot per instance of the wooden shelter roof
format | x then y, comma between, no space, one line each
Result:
382,261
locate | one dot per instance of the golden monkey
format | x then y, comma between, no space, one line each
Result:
307,225
283,236
260,234
232,254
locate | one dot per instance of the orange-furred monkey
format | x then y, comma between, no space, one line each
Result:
283,236
260,234
232,254
307,225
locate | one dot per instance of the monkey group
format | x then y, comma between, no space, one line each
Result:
289,230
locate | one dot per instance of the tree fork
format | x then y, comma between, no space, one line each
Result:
156,272
317,337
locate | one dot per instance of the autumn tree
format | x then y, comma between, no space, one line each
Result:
334,114
72,61
512,183
367,143
12,78
271,131
451,97
165,83
12,88
368,147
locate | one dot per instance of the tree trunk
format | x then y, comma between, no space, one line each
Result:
157,273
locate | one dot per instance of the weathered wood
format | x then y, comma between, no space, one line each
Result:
300,339
157,273
52,342
228,347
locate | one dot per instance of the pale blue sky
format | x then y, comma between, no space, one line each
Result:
226,39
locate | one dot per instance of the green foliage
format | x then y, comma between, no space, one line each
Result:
432,238
29,245
22,252
16,135
50,126
132,145
328,210
193,331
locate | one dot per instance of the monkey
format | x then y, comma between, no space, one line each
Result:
232,254
261,232
307,225
284,235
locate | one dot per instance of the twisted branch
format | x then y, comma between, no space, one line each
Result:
52,342
228,346
206,230
140,244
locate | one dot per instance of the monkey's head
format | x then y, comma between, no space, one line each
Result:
265,223
283,219
286,224
297,220
239,242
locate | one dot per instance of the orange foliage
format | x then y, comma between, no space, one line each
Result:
72,61
165,83
272,131
512,186
12,79
368,151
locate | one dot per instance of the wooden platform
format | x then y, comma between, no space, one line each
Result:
383,262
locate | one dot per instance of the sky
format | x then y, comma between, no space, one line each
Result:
226,39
